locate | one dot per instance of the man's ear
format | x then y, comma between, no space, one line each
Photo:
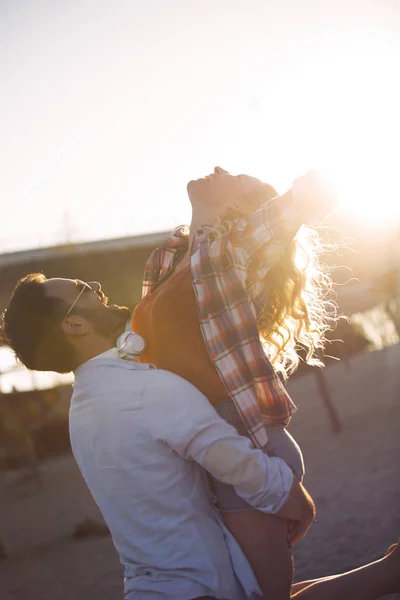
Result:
76,325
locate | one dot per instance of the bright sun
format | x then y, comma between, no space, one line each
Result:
365,128
344,116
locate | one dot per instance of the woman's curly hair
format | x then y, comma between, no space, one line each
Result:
299,308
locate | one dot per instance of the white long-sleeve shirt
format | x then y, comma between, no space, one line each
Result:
131,426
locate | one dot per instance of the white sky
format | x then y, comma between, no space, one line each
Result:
107,109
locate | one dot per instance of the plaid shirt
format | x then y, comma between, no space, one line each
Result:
227,273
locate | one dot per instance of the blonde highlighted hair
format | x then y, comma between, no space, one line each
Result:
299,310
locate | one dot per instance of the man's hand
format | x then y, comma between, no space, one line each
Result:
300,510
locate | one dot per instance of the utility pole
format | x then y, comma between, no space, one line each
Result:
336,424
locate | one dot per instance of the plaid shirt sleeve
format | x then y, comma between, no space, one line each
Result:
272,227
162,260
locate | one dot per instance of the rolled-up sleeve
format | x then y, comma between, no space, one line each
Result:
181,416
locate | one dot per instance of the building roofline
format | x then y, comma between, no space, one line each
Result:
53,252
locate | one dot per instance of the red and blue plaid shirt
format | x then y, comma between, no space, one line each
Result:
227,273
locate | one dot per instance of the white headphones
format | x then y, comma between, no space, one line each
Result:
130,345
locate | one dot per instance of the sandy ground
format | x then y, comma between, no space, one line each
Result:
353,477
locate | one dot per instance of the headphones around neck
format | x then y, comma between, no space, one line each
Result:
130,345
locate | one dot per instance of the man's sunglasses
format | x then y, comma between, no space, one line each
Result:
82,286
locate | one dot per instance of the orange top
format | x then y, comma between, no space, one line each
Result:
167,319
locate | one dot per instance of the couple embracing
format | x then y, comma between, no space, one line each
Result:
185,450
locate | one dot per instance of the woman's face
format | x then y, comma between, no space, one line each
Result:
221,190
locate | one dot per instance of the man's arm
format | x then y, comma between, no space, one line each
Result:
181,416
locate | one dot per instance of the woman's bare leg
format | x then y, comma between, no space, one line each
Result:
296,587
366,583
301,585
263,539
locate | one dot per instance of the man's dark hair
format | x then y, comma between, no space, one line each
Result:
32,327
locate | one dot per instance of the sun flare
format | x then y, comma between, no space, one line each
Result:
341,114
362,152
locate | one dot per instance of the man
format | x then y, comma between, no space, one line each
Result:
140,437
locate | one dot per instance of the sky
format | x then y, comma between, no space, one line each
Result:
107,109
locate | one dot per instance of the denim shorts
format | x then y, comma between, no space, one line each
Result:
280,444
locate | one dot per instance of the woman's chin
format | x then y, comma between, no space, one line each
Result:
197,188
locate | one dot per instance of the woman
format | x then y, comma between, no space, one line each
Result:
224,307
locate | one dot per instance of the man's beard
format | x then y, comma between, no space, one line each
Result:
109,321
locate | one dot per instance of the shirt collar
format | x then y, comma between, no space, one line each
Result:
111,353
